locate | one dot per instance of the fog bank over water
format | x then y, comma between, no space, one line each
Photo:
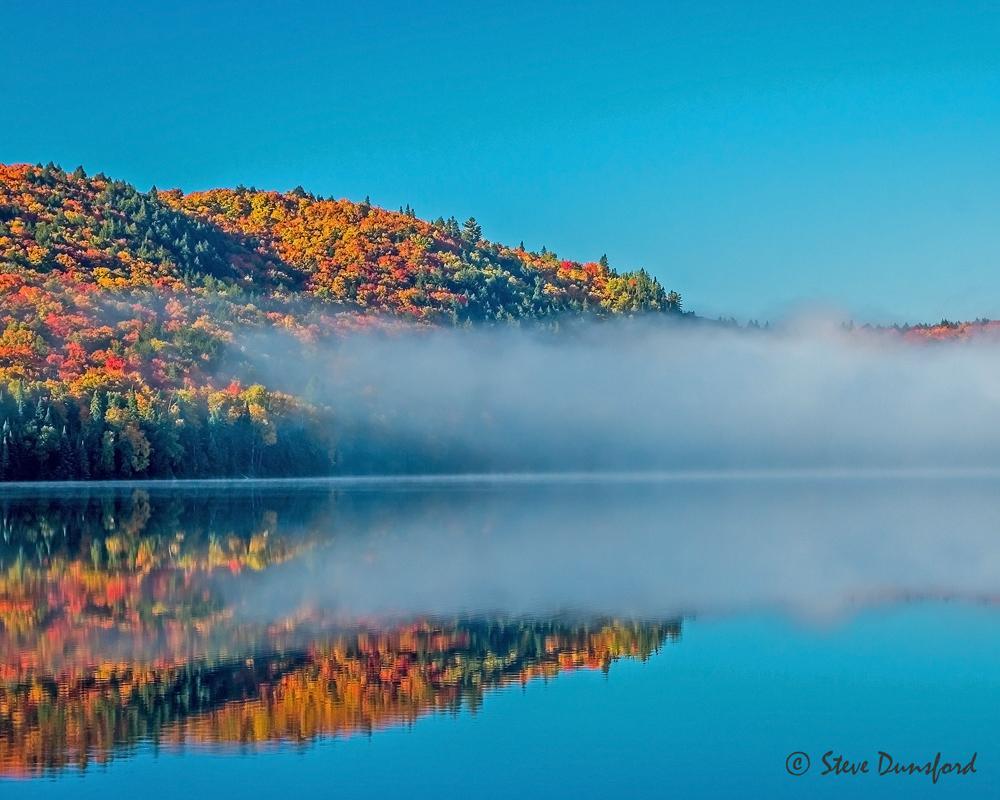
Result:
814,548
651,394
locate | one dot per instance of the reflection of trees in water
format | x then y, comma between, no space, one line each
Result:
122,530
115,628
341,684
120,573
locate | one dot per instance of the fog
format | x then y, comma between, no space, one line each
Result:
806,467
816,548
638,395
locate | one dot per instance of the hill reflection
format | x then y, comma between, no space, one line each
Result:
124,619
250,613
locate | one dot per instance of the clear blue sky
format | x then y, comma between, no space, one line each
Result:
754,156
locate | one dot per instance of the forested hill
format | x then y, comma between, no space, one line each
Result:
91,230
117,306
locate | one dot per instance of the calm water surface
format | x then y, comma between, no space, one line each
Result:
660,637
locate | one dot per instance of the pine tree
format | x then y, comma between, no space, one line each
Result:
107,458
83,461
472,232
66,468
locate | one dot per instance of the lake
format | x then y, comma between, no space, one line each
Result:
691,635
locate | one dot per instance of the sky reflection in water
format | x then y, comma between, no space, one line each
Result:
261,630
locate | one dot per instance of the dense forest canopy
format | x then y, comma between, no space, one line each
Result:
121,311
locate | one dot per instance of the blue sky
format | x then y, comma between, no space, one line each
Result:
755,156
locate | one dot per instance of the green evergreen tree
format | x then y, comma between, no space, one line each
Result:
471,231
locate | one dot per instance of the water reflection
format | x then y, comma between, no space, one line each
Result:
342,684
119,626
256,614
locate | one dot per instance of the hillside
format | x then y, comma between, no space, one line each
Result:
120,310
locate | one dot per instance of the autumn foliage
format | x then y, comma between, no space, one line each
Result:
118,626
142,300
